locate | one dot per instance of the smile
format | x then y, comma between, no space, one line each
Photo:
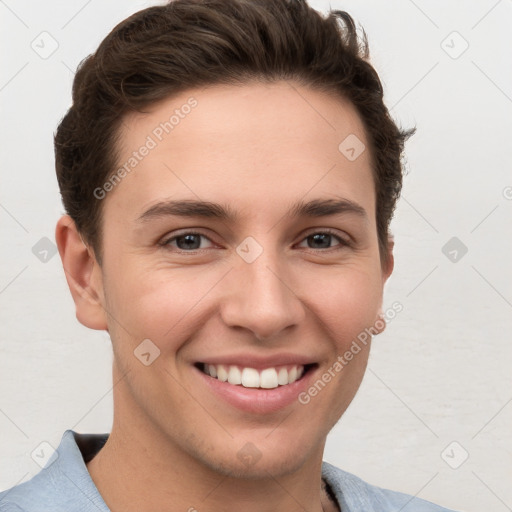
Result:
257,385
267,378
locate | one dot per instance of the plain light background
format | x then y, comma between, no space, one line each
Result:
438,386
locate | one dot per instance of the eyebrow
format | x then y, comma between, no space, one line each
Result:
206,209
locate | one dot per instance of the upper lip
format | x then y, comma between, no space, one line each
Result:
259,361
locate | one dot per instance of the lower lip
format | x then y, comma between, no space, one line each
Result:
257,400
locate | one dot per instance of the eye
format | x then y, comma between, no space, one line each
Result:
323,240
189,241
192,241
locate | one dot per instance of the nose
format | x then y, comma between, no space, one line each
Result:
260,298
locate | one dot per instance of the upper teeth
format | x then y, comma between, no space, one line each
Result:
252,378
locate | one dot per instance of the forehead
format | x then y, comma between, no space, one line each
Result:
276,142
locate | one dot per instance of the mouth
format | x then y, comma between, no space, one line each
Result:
247,377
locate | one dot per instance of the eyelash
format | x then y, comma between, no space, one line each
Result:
342,242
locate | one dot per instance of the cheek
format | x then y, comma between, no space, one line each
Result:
347,304
164,305
346,301
168,305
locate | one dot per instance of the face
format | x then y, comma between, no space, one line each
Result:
241,242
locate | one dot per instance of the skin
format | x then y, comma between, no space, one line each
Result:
256,149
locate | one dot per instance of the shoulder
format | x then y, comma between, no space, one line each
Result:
49,490
356,495
64,484
38,493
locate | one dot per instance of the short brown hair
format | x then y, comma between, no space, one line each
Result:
161,51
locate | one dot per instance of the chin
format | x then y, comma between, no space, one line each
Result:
262,465
252,456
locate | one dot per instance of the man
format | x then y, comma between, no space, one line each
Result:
229,171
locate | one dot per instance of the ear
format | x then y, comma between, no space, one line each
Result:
83,275
380,322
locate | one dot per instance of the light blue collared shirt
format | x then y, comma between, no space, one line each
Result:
65,485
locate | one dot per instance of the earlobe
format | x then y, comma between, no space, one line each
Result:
380,321
82,273
390,259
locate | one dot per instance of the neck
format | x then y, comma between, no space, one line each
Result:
141,469
132,476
